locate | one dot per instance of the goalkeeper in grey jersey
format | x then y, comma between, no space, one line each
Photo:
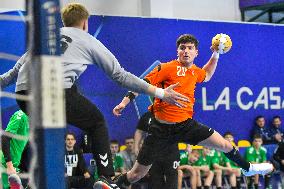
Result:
80,49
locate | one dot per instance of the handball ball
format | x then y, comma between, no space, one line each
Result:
222,43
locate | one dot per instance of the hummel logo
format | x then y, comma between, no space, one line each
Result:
103,157
104,163
104,160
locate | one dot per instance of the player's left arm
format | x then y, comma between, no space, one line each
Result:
10,76
211,65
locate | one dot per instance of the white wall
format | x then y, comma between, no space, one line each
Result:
207,9
8,5
110,7
188,9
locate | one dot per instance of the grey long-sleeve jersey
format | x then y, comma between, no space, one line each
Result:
11,76
80,49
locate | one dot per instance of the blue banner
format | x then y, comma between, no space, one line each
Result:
248,80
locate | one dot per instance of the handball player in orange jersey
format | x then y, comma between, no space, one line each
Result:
172,124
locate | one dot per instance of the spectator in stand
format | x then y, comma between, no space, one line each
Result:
257,154
261,130
76,171
230,137
116,158
203,166
128,154
187,158
276,132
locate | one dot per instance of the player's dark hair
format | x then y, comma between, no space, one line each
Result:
187,38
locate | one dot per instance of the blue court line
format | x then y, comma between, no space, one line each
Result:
99,28
21,15
148,70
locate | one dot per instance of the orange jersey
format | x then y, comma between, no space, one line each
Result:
170,73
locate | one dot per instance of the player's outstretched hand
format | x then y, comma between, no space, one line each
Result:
174,97
118,109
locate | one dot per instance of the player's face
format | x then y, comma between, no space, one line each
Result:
257,142
114,148
260,122
276,122
187,52
70,141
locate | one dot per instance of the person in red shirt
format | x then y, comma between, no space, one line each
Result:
172,124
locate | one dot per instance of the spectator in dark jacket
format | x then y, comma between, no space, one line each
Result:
276,132
261,130
76,172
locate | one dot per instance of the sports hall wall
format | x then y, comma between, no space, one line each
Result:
248,81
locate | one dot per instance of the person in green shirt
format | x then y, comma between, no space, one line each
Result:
235,175
221,165
256,154
116,158
13,148
187,158
203,166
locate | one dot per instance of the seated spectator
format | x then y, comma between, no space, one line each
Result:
222,165
187,159
276,132
116,158
261,130
76,171
203,167
230,137
278,156
128,154
257,154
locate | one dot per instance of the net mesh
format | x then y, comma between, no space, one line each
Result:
46,97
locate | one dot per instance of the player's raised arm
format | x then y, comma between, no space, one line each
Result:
221,44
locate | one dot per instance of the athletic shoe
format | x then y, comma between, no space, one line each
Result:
258,169
104,183
15,182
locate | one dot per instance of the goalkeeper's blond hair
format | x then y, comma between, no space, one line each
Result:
73,14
